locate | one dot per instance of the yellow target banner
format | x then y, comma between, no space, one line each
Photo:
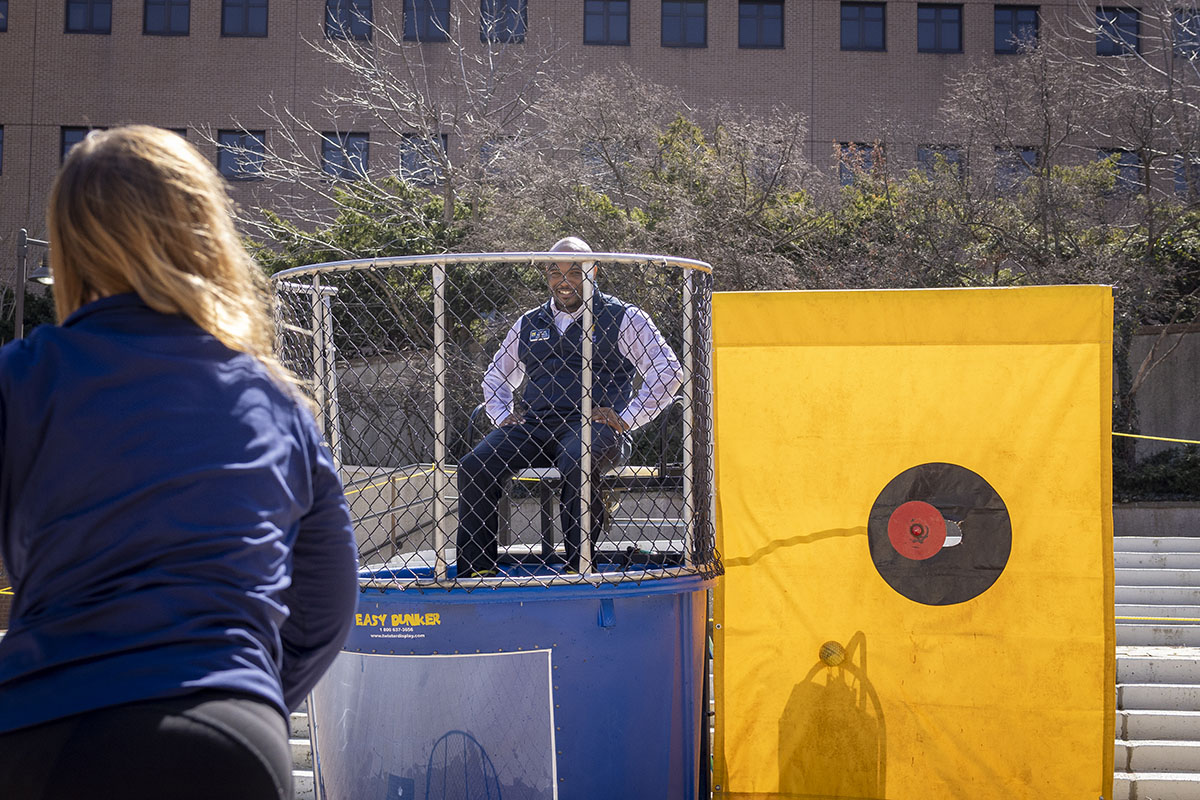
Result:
914,509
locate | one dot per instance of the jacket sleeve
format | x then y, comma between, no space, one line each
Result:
324,589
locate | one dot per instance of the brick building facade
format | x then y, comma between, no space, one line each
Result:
859,72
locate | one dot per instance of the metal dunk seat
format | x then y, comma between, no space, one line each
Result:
661,476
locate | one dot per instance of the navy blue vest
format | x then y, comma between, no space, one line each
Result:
554,362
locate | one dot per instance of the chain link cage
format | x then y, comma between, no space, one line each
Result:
450,393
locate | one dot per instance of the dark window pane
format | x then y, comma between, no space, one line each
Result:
348,19
760,23
606,22
939,29
3,15
344,156
240,154
156,17
77,15
1118,31
420,159
672,30
862,26
1187,33
1187,175
71,136
618,29
256,21
593,29
88,16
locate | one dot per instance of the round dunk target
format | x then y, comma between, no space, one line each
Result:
939,534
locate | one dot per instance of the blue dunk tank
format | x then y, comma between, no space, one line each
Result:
562,665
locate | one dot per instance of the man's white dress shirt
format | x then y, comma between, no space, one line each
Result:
638,340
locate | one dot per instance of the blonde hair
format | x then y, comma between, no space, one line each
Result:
138,209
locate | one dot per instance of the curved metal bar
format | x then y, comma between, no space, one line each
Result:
486,258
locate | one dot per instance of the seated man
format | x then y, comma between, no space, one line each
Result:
544,348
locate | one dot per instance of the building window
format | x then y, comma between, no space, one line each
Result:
344,155
939,29
166,17
1016,28
3,15
685,24
1187,175
857,158
760,23
1187,33
240,154
1128,167
244,18
348,19
1014,165
1118,31
89,16
420,160
502,21
69,136
606,22
426,20
863,26
936,159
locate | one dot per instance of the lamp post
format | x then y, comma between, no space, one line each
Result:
41,274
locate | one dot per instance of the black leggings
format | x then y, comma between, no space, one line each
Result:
209,745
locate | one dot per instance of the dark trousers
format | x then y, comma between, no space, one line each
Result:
200,746
484,472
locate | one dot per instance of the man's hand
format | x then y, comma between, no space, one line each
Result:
610,418
511,419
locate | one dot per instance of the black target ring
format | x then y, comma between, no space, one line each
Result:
955,574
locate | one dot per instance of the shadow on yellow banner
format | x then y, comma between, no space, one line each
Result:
914,507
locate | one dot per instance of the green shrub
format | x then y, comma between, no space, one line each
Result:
1168,475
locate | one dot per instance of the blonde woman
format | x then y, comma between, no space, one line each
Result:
181,551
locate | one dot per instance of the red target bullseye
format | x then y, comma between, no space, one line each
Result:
917,530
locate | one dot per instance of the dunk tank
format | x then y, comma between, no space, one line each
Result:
528,679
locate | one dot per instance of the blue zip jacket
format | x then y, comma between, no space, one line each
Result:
170,519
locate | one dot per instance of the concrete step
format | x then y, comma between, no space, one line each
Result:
1158,634
1158,665
1153,544
1158,595
299,725
304,786
1158,613
1157,577
1158,697
1175,726
1157,756
302,756
1157,560
1156,785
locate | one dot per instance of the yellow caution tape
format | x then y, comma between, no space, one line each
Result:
386,481
1163,619
1155,438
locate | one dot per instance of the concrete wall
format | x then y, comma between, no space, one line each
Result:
1156,519
1168,402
